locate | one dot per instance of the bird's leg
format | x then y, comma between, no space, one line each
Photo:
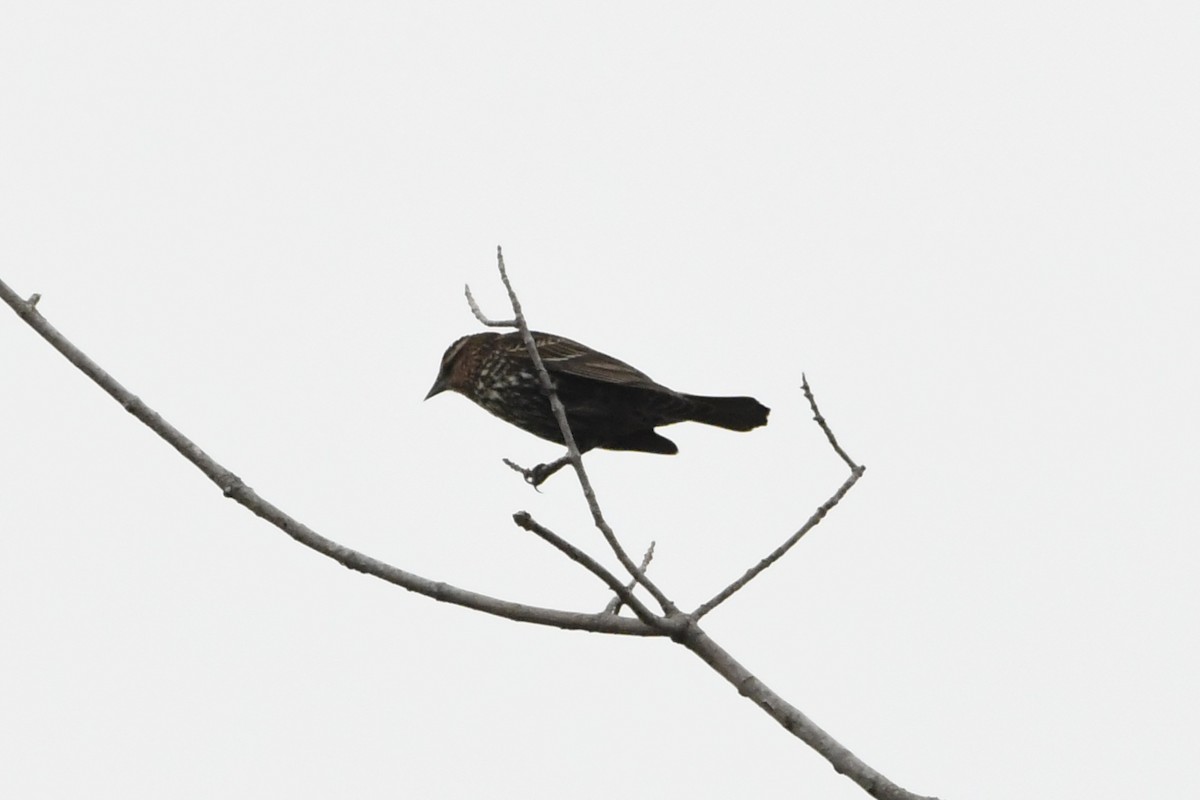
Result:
534,476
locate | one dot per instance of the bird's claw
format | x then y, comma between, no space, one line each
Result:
535,476
531,476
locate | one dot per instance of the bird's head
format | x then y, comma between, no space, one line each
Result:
459,363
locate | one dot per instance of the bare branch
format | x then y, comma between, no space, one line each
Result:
614,605
524,520
791,718
825,426
776,554
573,454
232,486
856,472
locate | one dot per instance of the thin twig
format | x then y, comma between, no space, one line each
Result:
560,414
856,472
812,402
776,554
614,605
524,520
491,323
232,486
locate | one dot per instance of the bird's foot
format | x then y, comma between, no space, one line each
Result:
534,476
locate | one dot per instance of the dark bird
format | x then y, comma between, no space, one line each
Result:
609,404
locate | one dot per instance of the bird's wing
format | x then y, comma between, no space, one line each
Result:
566,357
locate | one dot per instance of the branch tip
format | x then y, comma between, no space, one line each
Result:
856,472
572,552
491,323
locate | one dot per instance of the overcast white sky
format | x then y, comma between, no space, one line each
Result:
974,226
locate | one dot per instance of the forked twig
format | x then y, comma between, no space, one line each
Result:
856,472
491,323
625,593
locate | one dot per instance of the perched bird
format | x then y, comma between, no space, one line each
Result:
609,404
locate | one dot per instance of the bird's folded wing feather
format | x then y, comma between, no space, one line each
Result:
567,357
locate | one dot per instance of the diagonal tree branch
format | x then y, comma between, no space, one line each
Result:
576,460
791,718
625,593
856,472
233,487
820,420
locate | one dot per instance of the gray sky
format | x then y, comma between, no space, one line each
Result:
972,225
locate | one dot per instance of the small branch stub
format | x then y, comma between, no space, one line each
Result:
614,605
491,323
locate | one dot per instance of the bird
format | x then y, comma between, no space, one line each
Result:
609,404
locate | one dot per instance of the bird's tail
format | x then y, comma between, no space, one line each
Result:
733,413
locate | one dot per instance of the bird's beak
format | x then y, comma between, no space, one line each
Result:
439,386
